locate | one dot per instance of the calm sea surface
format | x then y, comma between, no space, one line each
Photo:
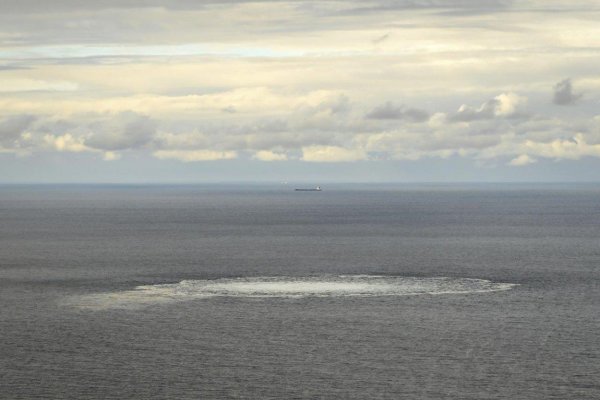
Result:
356,292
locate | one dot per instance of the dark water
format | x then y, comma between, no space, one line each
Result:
74,326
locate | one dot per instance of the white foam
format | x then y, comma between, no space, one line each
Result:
287,287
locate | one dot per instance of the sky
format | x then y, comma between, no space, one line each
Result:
317,91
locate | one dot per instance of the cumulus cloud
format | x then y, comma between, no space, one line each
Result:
467,113
111,156
13,127
332,154
323,103
66,142
564,94
194,155
267,155
328,129
126,130
508,104
389,111
573,148
503,105
321,95
521,160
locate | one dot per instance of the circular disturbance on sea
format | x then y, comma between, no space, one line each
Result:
327,286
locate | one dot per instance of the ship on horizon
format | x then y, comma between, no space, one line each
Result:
316,189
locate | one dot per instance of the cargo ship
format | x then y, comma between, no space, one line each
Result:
317,189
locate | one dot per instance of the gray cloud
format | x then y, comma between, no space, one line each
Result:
563,93
186,21
127,130
12,127
35,6
317,128
389,111
337,106
450,7
11,67
60,127
229,109
203,80
381,38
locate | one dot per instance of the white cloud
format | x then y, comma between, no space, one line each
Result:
66,142
267,155
503,105
332,154
111,156
194,155
521,160
508,103
30,85
572,149
336,81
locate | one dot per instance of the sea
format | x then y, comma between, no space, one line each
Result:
256,291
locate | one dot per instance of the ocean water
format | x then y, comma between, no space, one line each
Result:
260,292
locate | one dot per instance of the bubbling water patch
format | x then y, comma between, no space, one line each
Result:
287,287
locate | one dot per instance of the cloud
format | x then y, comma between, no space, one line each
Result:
110,156
267,155
508,103
389,111
467,113
521,160
324,103
381,39
326,127
126,130
13,127
572,149
332,154
194,155
19,134
255,101
563,93
10,67
35,85
452,7
66,142
503,105
274,80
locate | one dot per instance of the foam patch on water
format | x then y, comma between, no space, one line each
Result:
287,287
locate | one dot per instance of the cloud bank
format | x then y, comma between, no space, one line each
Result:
300,83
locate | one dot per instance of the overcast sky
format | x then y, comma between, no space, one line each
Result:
389,90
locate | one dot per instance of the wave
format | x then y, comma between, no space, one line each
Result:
287,287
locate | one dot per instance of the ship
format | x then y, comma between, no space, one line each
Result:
317,189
